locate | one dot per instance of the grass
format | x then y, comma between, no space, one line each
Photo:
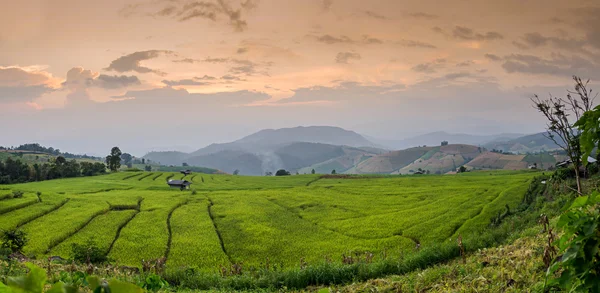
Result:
263,223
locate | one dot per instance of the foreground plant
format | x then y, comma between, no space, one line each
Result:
35,282
578,268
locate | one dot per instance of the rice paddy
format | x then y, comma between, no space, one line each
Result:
283,222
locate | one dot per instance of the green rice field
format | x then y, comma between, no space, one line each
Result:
284,221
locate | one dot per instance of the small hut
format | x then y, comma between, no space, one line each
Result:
185,172
181,184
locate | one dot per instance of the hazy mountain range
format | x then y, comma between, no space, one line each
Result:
325,148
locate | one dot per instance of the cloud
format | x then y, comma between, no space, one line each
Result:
186,60
242,50
205,77
558,64
535,39
211,10
465,63
132,62
326,4
24,84
493,57
230,77
189,82
116,81
468,34
375,15
422,15
344,57
465,33
429,67
416,44
240,66
330,40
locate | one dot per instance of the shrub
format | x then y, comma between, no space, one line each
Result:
14,240
88,252
39,196
17,194
194,192
282,172
577,268
154,283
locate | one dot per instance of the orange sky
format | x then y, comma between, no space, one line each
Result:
376,62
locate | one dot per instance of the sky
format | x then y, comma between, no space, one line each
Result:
145,75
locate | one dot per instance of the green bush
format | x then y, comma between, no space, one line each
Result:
577,269
17,194
88,252
14,240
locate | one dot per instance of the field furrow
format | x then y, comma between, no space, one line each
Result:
195,242
51,229
102,230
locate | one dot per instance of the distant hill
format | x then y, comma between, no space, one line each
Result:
273,149
269,139
435,138
439,159
524,144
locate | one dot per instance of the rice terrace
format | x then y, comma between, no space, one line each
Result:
134,216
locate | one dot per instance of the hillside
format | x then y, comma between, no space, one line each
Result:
435,138
524,144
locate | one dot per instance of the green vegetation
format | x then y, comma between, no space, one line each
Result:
284,220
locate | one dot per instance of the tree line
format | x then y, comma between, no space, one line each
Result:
36,147
16,171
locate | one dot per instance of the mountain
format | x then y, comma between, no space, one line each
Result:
435,138
269,139
524,144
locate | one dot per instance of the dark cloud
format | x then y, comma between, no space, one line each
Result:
493,57
422,15
344,57
186,60
465,33
330,40
230,77
429,67
375,15
416,44
132,62
520,45
465,63
205,77
190,82
239,66
326,4
115,81
242,50
535,39
212,11
558,64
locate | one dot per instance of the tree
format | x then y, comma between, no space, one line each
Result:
148,168
236,172
313,171
184,164
333,172
268,173
143,161
126,159
282,172
113,161
444,143
462,169
560,113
